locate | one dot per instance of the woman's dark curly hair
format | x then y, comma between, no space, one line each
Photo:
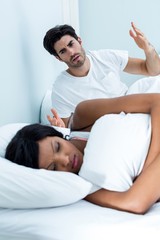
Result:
23,149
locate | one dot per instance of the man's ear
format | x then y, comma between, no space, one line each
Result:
79,40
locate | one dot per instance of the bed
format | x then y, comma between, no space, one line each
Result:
41,204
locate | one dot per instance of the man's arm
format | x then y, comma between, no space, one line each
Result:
149,66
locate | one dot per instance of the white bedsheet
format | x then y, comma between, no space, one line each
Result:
79,221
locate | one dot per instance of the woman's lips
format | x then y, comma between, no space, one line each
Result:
75,162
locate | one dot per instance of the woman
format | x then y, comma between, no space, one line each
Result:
44,147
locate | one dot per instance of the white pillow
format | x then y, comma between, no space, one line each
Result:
6,133
46,107
22,187
116,150
145,85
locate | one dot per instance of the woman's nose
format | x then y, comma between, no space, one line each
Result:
64,160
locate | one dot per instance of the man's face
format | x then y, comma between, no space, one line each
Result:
70,51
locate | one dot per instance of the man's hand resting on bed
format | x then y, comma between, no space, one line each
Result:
55,120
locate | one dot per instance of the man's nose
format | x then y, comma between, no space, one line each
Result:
70,51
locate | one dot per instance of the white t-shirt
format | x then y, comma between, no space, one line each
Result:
102,81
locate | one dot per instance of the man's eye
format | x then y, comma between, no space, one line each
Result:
62,51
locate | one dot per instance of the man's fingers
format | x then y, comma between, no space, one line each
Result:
53,121
55,114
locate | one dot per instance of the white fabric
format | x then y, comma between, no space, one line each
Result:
116,150
145,85
22,187
6,133
79,221
46,107
103,80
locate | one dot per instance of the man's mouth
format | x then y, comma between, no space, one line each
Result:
75,58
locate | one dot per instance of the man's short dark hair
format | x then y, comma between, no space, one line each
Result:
55,34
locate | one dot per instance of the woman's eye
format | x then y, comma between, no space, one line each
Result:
57,147
53,167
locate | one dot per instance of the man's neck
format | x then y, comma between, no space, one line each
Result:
80,71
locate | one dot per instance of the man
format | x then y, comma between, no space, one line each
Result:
92,75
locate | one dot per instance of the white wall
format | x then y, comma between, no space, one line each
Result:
27,69
106,23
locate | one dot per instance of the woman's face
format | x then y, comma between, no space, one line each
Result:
57,154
